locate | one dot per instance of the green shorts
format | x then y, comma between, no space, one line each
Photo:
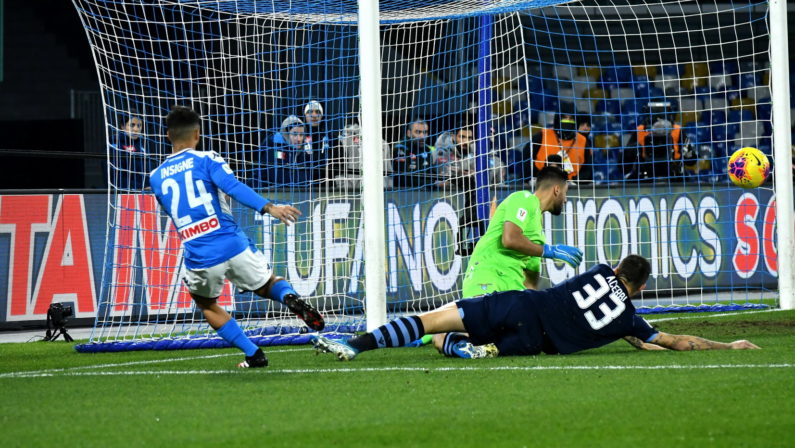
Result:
485,281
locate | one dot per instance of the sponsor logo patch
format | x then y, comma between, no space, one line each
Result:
200,228
521,214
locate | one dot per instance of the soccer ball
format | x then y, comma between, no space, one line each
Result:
748,167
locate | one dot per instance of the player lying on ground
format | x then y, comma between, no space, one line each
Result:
587,311
191,186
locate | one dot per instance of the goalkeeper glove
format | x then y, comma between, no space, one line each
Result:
569,254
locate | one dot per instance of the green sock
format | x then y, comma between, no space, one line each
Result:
426,339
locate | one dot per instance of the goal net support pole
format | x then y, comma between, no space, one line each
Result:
779,67
372,163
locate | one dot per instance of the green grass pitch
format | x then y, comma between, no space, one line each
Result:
611,397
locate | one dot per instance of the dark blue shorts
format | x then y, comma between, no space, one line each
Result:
507,319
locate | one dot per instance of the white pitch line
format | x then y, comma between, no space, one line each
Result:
735,313
139,363
395,369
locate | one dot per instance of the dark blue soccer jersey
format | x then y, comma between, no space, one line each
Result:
587,311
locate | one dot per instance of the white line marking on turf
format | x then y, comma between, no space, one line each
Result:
736,313
139,363
42,374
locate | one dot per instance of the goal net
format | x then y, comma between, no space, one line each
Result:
643,103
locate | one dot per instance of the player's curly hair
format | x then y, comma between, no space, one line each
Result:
181,121
634,270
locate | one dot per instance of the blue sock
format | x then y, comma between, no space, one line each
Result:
450,340
281,289
233,334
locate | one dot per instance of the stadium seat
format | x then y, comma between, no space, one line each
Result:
719,133
564,72
688,117
592,72
757,92
584,105
702,92
719,82
748,80
666,81
727,67
743,103
716,103
629,121
650,71
690,104
703,133
672,69
608,105
764,109
656,93
622,93
696,70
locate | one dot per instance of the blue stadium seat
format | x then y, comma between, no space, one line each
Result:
734,116
748,80
629,122
764,109
641,86
702,91
714,116
732,129
608,105
703,133
672,69
719,132
656,93
723,67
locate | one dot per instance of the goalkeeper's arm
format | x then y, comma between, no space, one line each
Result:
513,238
685,342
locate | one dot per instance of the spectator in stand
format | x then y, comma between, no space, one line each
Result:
560,142
289,163
345,159
412,158
456,168
655,151
318,137
130,164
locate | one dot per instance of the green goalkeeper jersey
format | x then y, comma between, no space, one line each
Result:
492,267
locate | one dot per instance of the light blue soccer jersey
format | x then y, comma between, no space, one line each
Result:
192,186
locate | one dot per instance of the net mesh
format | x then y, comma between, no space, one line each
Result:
475,99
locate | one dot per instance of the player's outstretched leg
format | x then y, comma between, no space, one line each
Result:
281,291
396,333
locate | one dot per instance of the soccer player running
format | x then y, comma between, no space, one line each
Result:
192,186
584,312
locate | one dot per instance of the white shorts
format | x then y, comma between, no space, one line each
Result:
247,270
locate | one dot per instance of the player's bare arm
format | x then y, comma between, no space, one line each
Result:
284,213
513,238
686,342
640,345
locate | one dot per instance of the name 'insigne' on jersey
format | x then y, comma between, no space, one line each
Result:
589,311
192,186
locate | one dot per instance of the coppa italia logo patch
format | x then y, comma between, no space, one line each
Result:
200,228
